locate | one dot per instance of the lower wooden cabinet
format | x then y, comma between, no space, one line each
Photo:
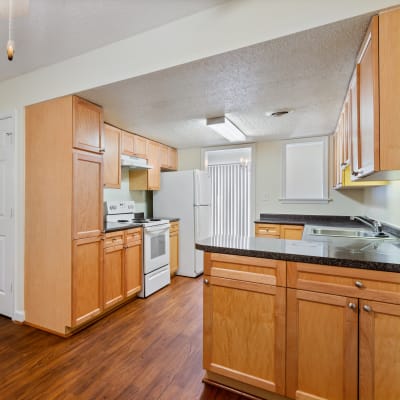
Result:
113,275
322,341
379,351
279,231
87,280
174,247
133,274
244,323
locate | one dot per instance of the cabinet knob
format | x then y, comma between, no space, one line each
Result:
355,173
367,308
359,284
352,306
102,150
206,281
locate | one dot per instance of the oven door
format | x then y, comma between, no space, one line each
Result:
156,247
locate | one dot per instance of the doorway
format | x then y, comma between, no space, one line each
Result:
7,186
232,189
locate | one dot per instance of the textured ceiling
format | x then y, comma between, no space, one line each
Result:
54,30
307,72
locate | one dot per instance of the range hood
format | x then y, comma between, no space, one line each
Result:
134,162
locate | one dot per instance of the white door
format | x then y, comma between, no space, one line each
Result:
202,188
6,214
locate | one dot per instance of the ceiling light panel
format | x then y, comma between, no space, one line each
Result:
226,128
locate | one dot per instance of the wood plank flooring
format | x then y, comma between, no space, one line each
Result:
147,350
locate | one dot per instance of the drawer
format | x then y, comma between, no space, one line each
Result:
272,230
250,269
133,235
174,227
350,282
113,239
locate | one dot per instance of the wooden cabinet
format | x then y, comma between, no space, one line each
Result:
174,247
127,143
338,318
244,320
87,205
277,231
368,91
64,214
169,158
133,273
86,280
148,179
140,146
112,157
164,162
379,351
87,125
322,340
113,269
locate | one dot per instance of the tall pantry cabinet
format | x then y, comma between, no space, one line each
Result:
64,213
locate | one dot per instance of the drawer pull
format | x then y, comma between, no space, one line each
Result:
367,308
352,306
359,284
206,281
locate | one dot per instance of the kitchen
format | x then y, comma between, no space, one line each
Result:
266,196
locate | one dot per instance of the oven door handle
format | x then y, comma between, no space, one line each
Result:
156,229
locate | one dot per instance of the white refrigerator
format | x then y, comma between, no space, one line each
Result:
186,195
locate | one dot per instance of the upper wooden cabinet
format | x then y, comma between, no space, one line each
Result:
87,126
112,157
127,143
172,159
140,146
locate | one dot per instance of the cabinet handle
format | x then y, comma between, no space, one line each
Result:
367,308
352,306
102,150
206,281
359,284
355,173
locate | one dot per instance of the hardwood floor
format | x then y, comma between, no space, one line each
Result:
148,349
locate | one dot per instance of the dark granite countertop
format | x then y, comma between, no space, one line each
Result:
119,226
170,219
375,254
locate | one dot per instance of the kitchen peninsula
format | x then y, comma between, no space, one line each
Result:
317,318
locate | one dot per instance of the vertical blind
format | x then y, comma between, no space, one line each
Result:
230,199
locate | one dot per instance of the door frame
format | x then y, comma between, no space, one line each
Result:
12,116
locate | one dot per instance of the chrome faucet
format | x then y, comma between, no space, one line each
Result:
375,225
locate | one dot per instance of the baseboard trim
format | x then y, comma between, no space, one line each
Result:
19,316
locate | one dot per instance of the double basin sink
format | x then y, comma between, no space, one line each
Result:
357,233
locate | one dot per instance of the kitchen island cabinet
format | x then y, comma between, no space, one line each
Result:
341,321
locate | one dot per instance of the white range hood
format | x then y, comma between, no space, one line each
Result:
134,162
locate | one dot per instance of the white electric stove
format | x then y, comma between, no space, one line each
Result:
156,271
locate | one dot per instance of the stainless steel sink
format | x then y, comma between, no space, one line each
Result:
348,233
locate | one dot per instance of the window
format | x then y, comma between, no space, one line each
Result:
305,171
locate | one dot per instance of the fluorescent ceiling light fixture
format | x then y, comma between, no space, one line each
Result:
225,128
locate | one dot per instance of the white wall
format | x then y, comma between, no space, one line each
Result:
268,171
227,27
141,198
383,203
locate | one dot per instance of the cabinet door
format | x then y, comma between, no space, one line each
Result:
244,332
292,232
87,258
113,274
163,151
368,95
88,125
133,268
112,157
389,89
354,125
127,143
322,337
268,230
172,159
154,160
87,215
140,146
173,252
379,351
